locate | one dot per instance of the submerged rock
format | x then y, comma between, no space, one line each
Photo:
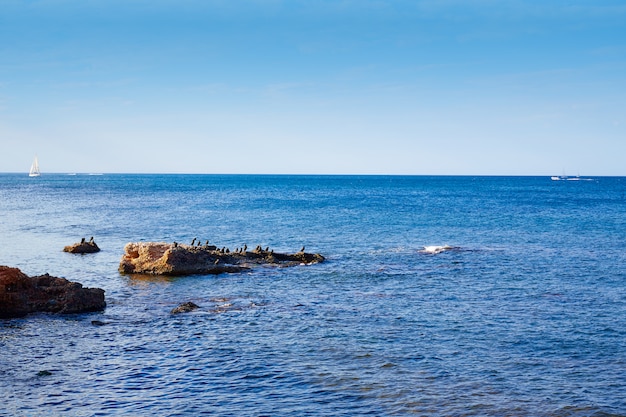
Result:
162,258
21,295
83,247
185,308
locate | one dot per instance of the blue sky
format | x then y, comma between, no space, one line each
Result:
476,87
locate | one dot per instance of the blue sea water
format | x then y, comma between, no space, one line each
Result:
526,318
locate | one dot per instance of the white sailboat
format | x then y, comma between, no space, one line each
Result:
34,168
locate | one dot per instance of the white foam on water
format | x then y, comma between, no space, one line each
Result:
435,249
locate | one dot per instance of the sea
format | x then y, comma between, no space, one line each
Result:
439,296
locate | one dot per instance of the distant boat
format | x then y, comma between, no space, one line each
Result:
34,168
566,178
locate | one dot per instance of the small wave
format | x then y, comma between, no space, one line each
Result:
435,249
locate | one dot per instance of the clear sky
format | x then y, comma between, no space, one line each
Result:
477,87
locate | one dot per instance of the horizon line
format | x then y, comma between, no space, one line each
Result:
310,174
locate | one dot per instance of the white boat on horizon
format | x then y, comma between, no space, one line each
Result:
34,168
566,178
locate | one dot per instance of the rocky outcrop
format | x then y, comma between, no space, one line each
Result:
83,247
21,295
162,258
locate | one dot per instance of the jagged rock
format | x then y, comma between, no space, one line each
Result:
21,295
162,258
185,308
82,247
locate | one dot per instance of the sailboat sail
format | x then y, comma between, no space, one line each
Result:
34,168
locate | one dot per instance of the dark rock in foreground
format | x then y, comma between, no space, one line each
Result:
160,258
21,295
82,247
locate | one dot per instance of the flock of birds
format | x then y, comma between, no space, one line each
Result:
259,249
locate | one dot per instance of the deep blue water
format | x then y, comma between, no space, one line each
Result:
527,318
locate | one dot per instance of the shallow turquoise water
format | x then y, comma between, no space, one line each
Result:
528,317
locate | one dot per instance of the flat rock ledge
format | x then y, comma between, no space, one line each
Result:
161,258
21,295
82,247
